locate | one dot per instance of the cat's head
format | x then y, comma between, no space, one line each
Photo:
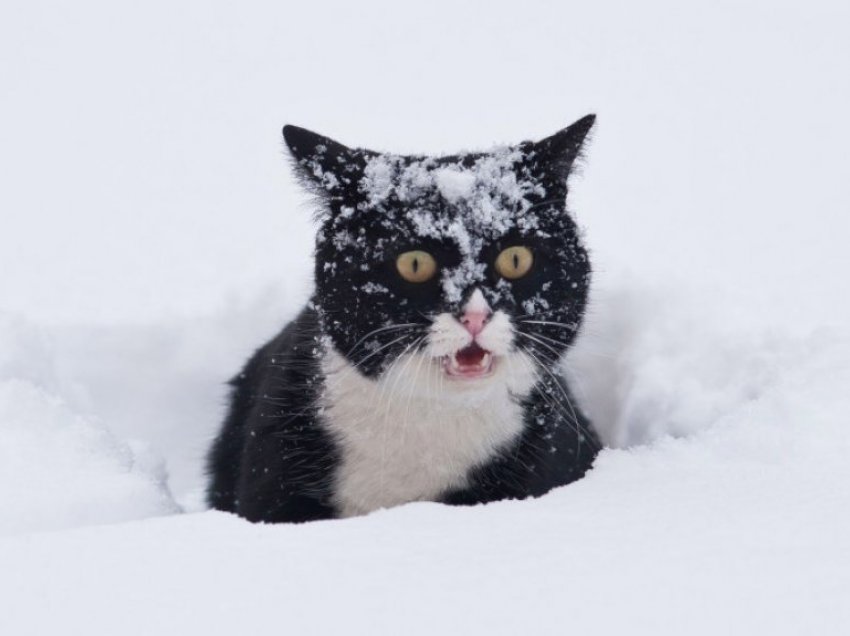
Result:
470,262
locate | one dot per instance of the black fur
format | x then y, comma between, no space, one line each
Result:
273,459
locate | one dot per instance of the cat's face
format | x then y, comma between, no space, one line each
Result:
469,264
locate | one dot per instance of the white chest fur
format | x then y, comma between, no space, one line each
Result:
414,434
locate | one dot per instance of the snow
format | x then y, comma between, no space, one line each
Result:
59,468
737,528
454,184
378,178
487,194
152,237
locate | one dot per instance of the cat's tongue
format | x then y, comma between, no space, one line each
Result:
470,362
470,356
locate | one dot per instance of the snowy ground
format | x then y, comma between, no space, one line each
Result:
151,237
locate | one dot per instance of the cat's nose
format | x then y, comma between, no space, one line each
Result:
474,321
476,313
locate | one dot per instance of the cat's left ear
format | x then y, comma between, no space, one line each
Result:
555,156
325,166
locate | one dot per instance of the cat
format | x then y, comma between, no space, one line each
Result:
426,366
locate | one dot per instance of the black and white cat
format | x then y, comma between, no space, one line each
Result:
427,364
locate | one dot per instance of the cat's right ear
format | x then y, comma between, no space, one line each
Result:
325,166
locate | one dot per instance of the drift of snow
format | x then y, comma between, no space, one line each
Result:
59,468
710,529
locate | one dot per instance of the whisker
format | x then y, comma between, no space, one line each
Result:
562,325
382,329
379,349
582,431
540,335
558,354
542,203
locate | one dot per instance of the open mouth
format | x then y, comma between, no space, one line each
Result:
469,363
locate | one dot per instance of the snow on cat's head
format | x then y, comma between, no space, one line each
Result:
470,260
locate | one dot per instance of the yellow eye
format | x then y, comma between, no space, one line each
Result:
416,266
514,262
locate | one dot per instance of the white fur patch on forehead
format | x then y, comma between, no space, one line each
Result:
477,303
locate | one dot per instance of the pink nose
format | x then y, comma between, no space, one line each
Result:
474,321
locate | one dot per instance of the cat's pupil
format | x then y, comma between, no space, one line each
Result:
415,265
516,261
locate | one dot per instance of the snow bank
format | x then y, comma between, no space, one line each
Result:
59,468
655,360
738,528
722,509
166,382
